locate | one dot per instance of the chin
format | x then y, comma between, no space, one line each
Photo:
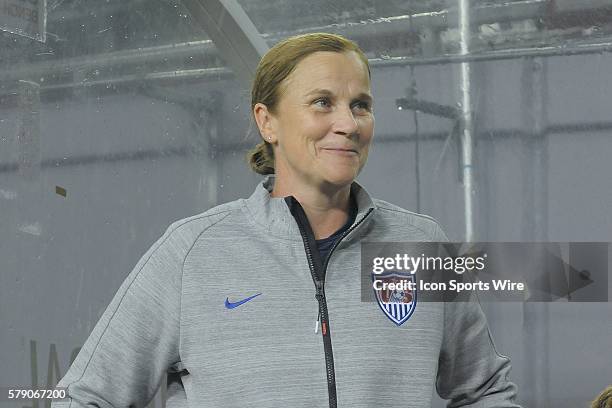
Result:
339,180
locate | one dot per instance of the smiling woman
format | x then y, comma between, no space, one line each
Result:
224,302
312,103
324,127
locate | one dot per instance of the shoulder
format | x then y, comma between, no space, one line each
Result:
187,230
169,251
395,216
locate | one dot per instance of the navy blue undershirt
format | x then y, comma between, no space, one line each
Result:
325,245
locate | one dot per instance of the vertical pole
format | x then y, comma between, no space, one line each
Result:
535,148
468,126
214,177
204,145
536,369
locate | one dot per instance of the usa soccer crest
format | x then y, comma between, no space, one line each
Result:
396,294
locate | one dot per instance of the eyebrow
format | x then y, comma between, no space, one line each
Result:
327,92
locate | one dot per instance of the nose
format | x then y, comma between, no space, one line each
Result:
345,122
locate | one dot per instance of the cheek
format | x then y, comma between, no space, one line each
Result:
367,133
367,123
316,127
365,153
312,132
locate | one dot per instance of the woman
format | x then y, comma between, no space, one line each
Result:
225,301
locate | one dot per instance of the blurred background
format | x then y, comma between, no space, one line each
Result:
118,117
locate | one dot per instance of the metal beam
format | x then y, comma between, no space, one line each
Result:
604,45
141,56
233,33
467,128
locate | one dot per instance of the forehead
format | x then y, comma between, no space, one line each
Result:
332,70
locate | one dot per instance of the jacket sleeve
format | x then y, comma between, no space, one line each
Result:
471,373
127,354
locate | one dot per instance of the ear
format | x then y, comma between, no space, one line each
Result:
265,122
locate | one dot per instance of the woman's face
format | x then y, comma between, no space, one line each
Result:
323,125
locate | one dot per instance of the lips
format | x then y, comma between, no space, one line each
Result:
342,149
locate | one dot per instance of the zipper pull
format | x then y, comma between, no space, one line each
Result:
319,292
319,296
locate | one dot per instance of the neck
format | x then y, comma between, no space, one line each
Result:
327,209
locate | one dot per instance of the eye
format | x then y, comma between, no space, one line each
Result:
323,102
362,105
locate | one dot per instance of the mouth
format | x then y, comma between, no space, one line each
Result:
341,150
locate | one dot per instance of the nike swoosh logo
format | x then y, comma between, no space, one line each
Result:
230,305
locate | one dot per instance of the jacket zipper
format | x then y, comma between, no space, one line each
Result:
318,277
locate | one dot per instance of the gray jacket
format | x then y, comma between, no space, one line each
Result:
170,319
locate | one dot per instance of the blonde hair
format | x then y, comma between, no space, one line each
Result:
603,400
274,67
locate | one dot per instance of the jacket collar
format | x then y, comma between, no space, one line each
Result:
273,214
